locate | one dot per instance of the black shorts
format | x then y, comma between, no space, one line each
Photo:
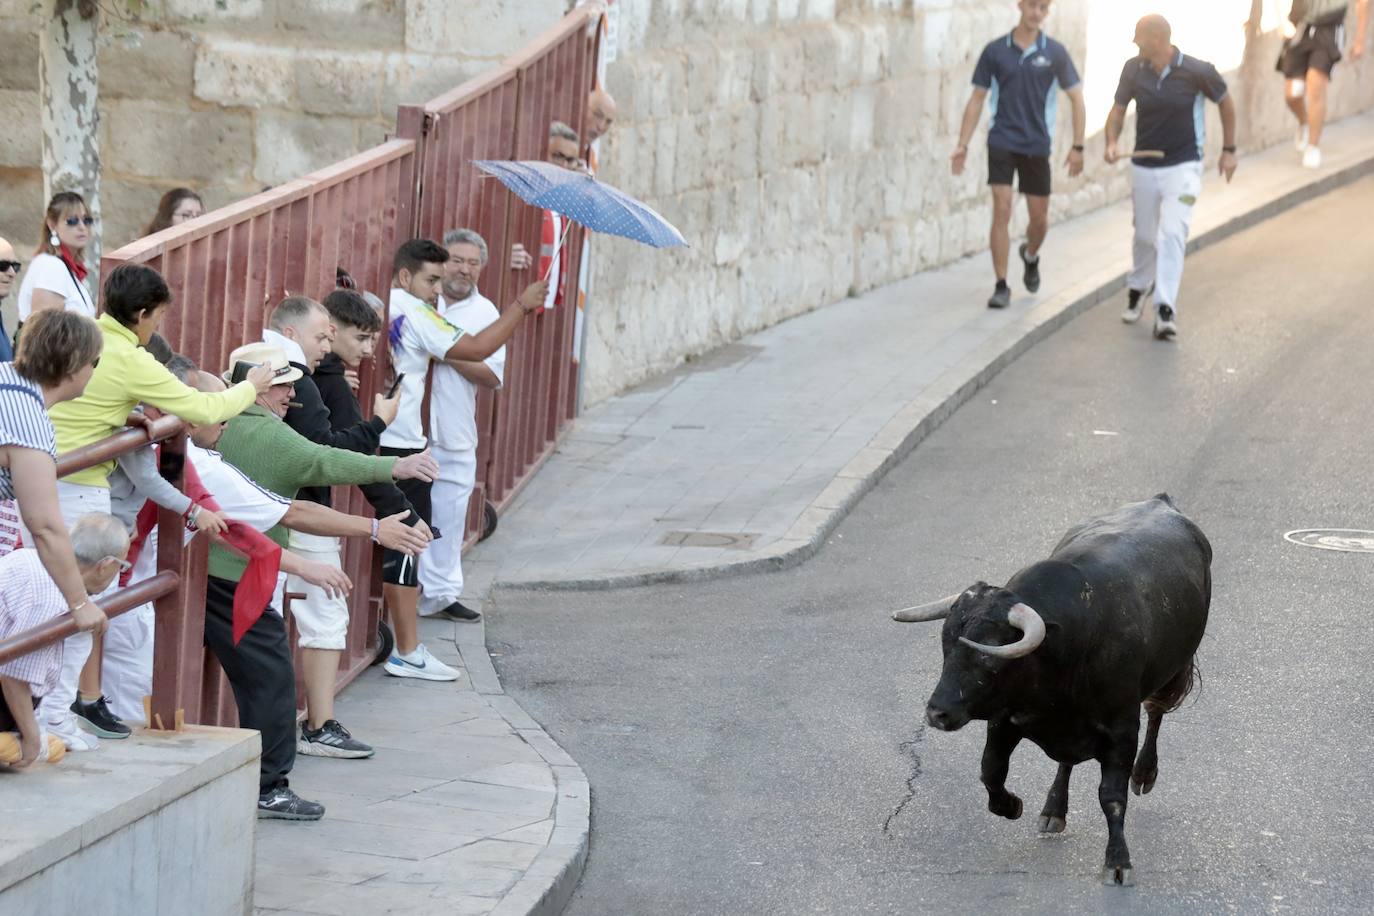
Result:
397,568
1033,171
1317,47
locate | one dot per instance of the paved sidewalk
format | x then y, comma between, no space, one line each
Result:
749,457
468,806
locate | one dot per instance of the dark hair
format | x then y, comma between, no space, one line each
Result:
417,252
55,345
167,206
291,311
349,309
183,367
132,288
159,347
62,202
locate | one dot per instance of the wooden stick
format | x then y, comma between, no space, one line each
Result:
1148,154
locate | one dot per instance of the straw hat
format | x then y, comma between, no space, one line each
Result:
258,354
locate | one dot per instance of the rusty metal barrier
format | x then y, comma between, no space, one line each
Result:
227,268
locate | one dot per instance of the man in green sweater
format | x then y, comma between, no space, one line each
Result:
276,457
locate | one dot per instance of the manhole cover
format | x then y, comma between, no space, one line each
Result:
729,540
1350,540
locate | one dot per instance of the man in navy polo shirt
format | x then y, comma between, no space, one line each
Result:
1023,72
1168,88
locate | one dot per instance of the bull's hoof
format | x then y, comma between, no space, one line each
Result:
1117,876
1009,806
1051,824
1142,783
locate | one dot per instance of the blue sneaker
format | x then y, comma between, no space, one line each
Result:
420,664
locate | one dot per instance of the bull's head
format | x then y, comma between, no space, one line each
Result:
985,628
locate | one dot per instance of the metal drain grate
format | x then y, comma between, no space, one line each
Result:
727,539
1348,540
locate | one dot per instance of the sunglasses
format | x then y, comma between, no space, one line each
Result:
10,265
78,220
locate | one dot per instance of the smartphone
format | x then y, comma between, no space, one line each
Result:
241,370
395,386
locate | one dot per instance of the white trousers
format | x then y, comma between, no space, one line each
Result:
1164,200
75,500
441,568
321,621
126,673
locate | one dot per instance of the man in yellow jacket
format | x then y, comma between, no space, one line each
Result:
135,300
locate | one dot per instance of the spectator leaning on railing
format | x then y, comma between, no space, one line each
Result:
281,460
55,361
418,336
136,298
30,598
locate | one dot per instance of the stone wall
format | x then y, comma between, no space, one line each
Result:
802,147
229,96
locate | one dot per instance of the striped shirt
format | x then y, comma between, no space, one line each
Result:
23,420
29,597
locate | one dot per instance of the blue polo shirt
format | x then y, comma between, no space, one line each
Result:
1022,91
1169,106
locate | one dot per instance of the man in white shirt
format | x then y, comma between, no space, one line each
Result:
453,425
418,335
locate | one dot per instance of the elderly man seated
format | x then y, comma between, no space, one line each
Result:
28,598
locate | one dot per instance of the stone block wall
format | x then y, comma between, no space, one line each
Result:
802,146
230,96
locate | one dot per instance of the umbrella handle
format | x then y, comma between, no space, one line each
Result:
559,247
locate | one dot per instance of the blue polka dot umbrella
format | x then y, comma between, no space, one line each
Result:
583,199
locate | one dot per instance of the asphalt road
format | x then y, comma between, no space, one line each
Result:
755,744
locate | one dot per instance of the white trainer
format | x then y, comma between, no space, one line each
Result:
1165,326
1312,157
1300,141
70,734
420,664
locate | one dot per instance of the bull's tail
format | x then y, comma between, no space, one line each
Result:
1171,696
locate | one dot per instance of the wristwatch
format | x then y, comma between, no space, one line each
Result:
1228,149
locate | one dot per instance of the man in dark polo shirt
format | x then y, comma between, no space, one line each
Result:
1022,72
1168,88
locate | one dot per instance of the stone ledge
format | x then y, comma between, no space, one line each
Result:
135,778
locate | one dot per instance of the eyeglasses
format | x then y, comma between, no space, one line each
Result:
124,565
78,220
95,363
10,265
188,214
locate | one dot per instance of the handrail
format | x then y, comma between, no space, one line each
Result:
116,444
59,628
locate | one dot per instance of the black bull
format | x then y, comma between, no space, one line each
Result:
1069,649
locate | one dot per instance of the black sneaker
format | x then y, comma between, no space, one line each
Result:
96,718
1165,327
1031,277
458,611
331,740
281,803
1001,296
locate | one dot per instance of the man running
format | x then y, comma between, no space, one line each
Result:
1315,32
1168,87
1022,71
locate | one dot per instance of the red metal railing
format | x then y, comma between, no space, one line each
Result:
229,267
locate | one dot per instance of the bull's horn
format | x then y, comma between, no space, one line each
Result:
1025,619
922,613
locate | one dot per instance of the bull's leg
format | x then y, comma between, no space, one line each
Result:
1116,769
1056,810
1002,740
1147,762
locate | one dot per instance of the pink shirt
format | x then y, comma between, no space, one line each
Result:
29,597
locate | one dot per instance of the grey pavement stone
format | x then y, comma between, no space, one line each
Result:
758,425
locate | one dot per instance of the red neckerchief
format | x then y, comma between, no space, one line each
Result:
75,266
254,591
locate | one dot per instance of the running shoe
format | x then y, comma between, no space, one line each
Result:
1165,327
1031,276
331,740
420,664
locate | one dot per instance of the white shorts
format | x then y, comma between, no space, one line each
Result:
321,621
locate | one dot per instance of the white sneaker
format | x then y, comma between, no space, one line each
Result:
420,664
1165,326
71,735
1312,158
1300,141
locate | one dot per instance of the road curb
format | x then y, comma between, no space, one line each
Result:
926,413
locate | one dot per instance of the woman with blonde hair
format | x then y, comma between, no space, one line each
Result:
56,278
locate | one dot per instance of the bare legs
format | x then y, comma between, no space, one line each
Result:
318,669
999,236
401,601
